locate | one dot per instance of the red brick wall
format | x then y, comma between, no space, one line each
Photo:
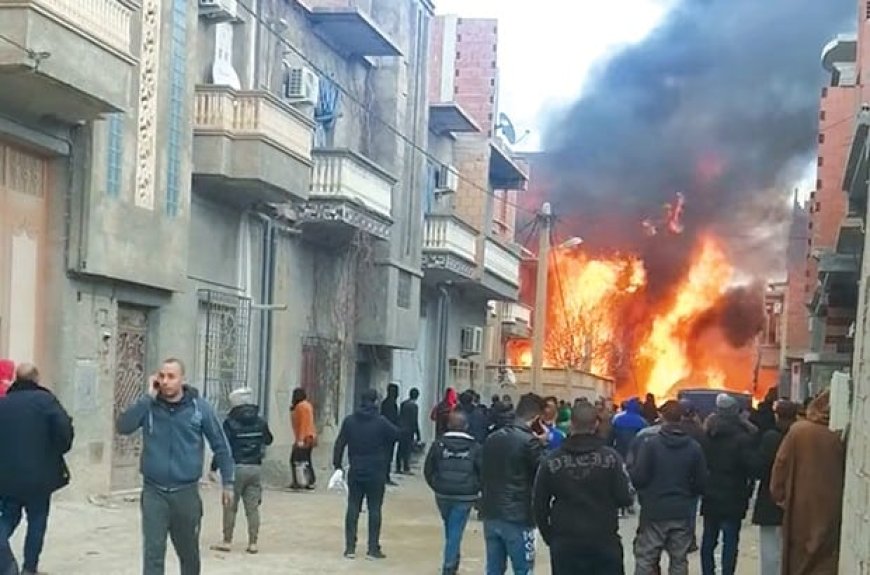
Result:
477,69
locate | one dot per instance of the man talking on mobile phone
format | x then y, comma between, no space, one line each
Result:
175,424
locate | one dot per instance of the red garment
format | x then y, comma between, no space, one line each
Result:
7,375
451,397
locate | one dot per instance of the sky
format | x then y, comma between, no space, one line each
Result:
547,50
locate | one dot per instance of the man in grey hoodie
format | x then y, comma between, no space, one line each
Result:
174,422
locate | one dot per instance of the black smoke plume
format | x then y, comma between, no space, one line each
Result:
720,102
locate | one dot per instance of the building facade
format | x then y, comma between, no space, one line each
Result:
832,271
238,187
470,261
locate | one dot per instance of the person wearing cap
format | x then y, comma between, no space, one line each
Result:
729,450
670,473
248,435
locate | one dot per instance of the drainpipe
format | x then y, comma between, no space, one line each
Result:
267,292
441,345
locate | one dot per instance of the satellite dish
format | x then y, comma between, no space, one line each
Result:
506,127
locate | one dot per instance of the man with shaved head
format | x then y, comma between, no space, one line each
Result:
579,491
36,432
452,470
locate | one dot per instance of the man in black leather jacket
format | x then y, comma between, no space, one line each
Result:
511,456
248,435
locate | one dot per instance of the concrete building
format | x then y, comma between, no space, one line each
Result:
855,535
796,333
469,256
832,269
240,190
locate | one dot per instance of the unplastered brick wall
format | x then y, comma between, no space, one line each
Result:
476,82
471,154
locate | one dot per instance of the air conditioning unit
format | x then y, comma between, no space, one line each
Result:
219,9
448,179
301,86
471,340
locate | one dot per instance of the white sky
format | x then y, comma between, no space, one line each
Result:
546,48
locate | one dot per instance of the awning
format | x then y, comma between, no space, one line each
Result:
449,117
504,172
352,31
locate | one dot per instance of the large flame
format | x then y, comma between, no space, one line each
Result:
600,319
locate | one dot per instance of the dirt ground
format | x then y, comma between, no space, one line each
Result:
301,533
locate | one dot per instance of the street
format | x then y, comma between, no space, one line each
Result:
301,533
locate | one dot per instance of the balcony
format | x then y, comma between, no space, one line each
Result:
449,118
505,173
250,147
349,193
501,268
348,26
449,250
516,320
67,59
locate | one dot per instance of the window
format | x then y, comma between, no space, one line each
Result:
818,206
403,295
810,225
458,55
867,11
177,101
822,138
821,161
825,92
115,155
822,115
818,185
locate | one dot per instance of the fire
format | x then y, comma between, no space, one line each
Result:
665,348
600,318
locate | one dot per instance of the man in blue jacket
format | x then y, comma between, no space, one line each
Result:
175,421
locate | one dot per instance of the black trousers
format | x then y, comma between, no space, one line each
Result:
372,490
403,454
568,557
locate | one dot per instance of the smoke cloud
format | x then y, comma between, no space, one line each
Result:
719,103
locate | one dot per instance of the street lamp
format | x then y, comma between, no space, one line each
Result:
570,243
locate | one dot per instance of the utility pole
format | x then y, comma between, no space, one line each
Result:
539,327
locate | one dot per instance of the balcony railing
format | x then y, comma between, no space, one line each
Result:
107,21
447,234
501,262
516,313
343,174
252,114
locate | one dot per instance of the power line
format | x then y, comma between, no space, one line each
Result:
350,96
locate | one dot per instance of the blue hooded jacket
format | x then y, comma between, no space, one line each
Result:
173,434
626,425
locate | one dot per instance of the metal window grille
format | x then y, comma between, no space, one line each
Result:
225,322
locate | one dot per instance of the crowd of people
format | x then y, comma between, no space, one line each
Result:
540,468
571,483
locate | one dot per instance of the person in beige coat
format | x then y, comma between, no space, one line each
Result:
807,482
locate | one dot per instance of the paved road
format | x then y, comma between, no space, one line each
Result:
301,533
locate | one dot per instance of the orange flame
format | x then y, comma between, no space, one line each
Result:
599,319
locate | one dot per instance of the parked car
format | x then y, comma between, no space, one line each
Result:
704,399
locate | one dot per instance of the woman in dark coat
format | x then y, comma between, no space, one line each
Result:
767,514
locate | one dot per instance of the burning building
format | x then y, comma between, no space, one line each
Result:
676,166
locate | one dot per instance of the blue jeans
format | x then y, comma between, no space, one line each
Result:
455,516
730,530
37,523
8,566
505,539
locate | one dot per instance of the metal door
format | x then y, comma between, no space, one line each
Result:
128,387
